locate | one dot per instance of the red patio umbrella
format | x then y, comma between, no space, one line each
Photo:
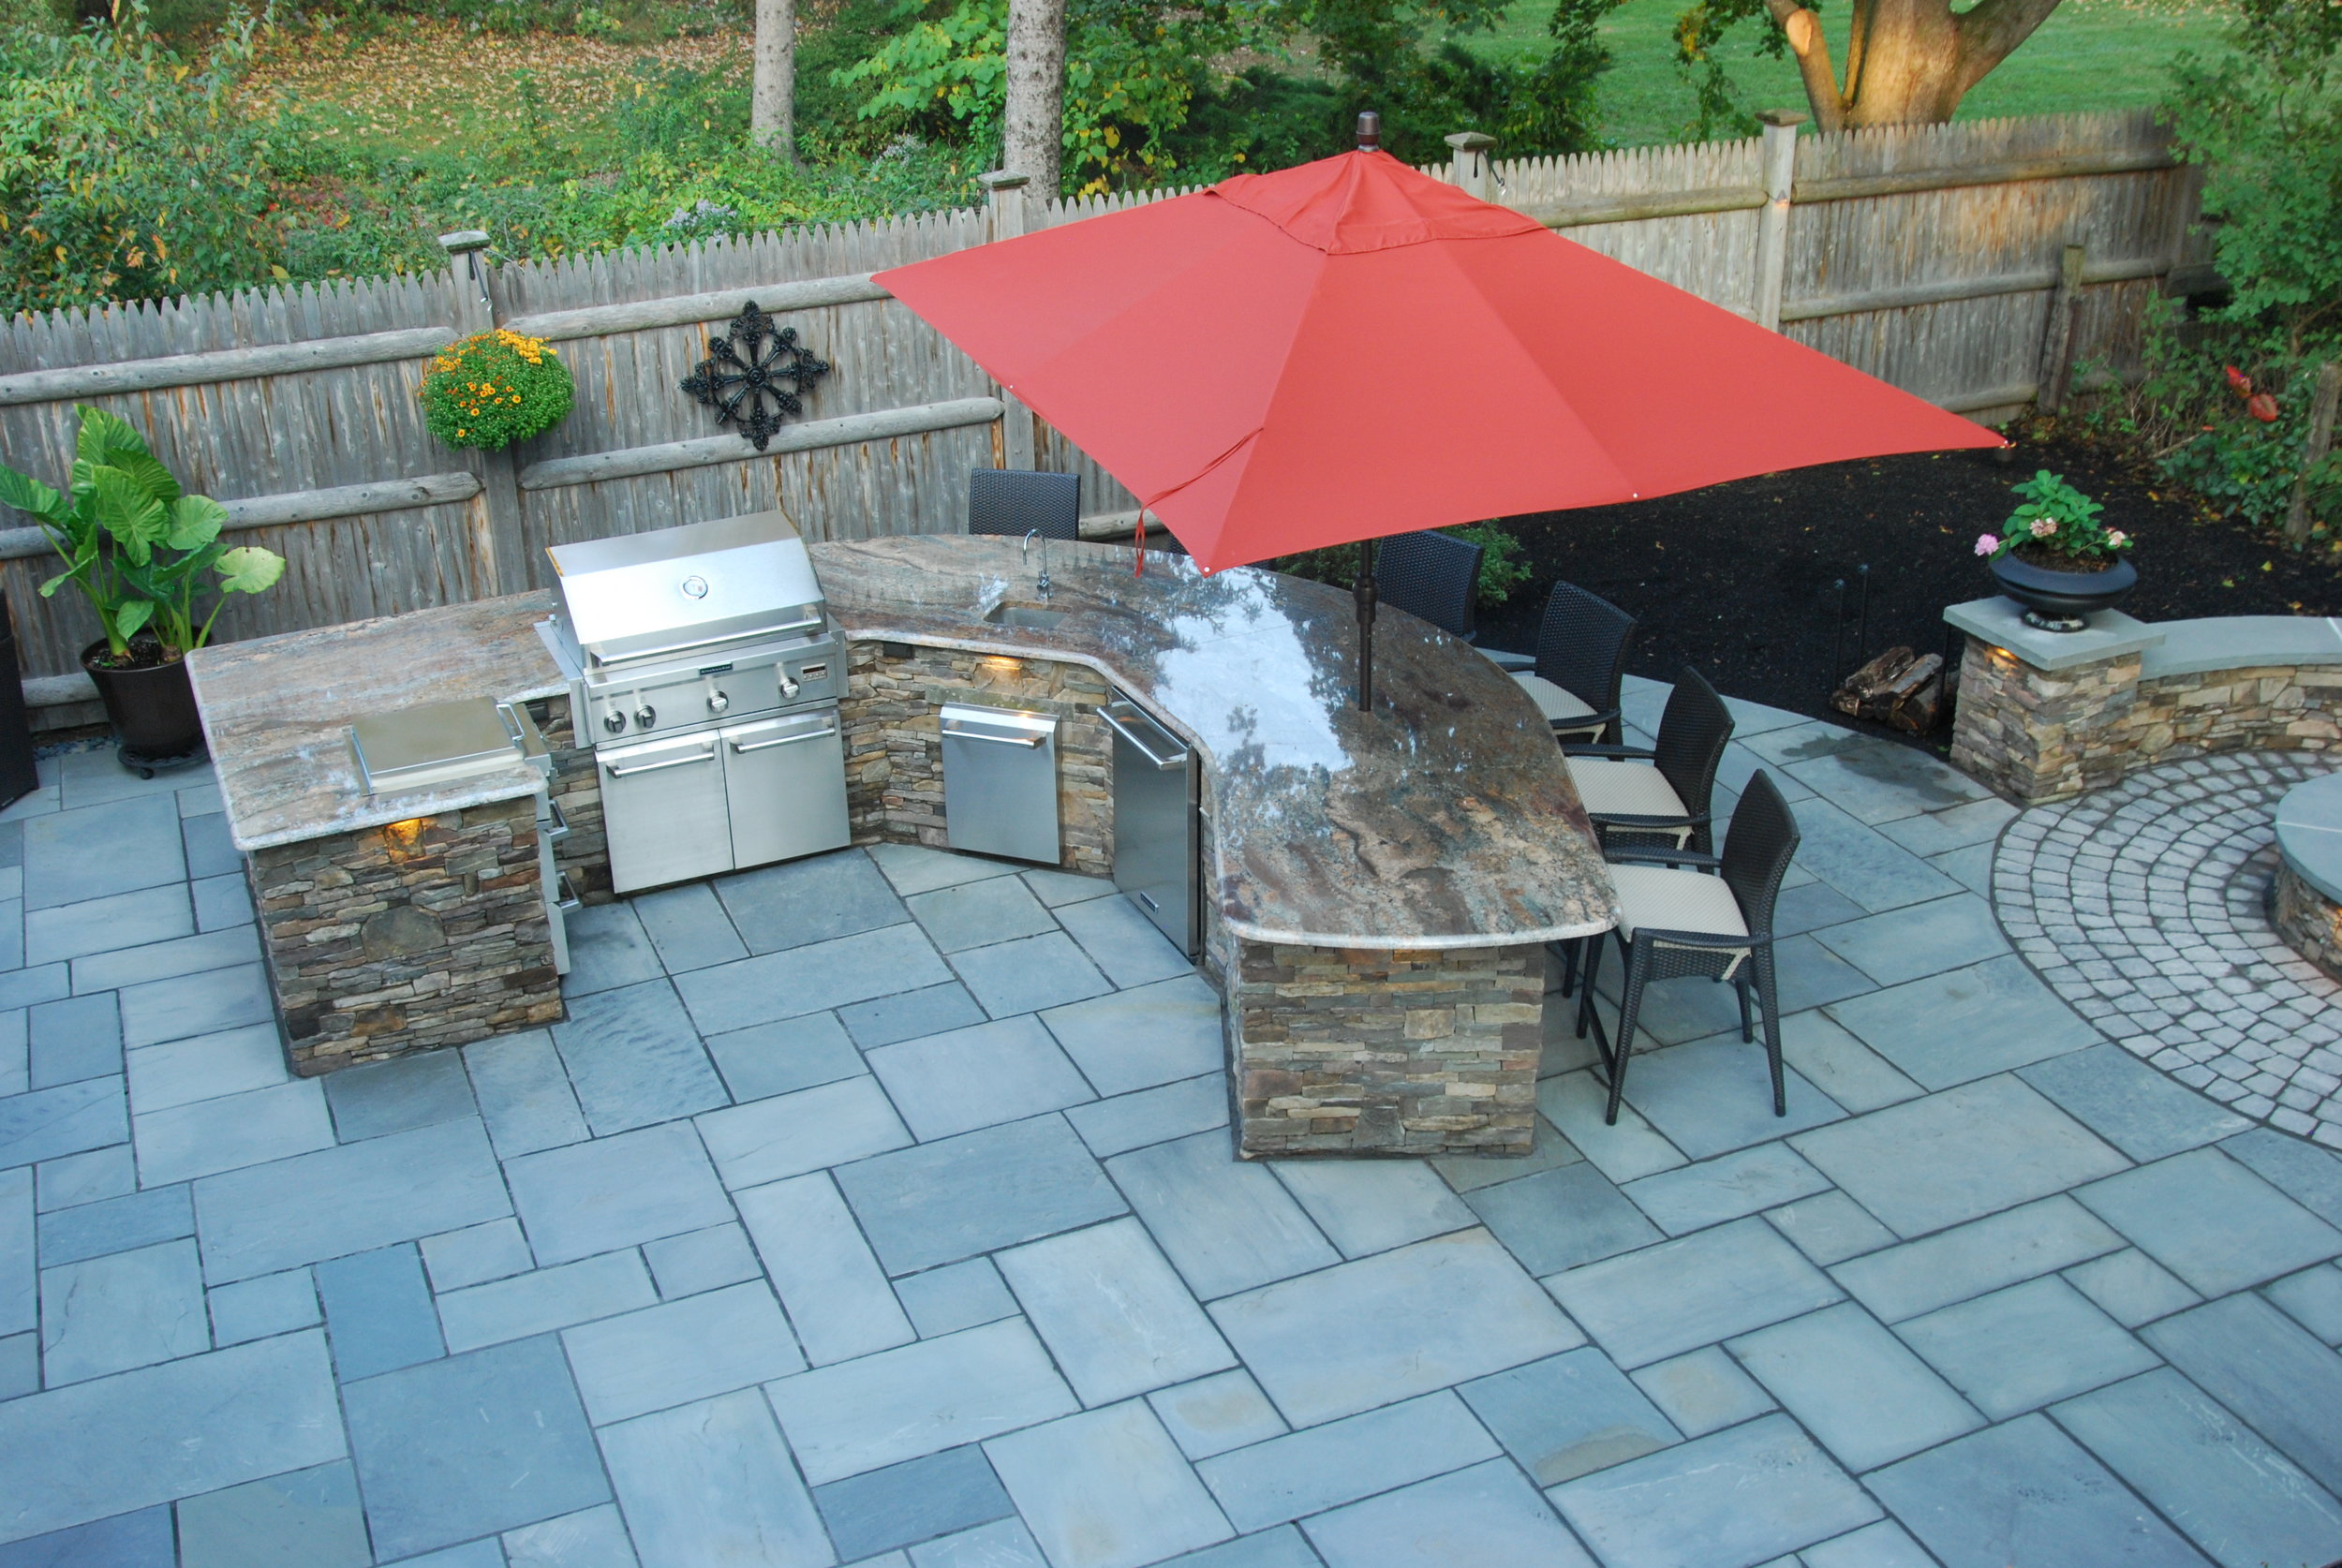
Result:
1350,348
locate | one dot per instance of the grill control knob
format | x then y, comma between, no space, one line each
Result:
788,686
613,722
718,701
645,716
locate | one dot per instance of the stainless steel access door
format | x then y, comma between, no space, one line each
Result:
1155,823
663,806
785,787
999,781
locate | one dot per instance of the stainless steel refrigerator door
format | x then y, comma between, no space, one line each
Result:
664,808
1155,823
999,781
785,783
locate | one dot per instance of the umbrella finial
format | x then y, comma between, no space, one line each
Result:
1369,132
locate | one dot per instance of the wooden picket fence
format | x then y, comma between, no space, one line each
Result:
1974,264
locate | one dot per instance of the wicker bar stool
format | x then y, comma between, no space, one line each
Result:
1675,922
1020,500
1665,789
1582,656
1430,575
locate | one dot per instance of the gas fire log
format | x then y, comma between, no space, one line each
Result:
1895,689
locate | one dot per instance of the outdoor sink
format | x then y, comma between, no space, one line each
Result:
1024,615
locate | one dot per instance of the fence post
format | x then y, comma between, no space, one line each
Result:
1772,223
1468,167
1005,206
494,515
2321,411
2057,338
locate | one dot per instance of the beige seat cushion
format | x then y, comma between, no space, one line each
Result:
1610,788
1559,706
1664,899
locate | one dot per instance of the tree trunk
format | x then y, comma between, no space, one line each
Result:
1033,133
772,105
1909,62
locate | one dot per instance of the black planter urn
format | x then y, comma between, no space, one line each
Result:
151,709
2058,601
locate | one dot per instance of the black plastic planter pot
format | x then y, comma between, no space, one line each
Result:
2059,600
153,712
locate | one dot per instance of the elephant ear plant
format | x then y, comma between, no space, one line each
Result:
147,556
137,547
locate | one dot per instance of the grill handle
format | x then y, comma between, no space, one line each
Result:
784,740
617,772
997,740
632,654
1138,744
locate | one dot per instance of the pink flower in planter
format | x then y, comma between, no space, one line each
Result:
1987,544
2116,539
2044,527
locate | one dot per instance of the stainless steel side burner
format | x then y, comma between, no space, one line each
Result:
705,674
435,743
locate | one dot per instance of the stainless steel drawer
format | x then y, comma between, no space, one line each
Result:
999,781
664,808
1155,850
785,787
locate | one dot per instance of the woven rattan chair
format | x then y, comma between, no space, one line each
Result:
1582,653
1433,575
1019,500
1636,794
1674,922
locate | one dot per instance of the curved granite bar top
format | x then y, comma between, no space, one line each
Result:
1442,819
276,711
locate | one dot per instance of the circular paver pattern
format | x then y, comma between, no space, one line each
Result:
2147,907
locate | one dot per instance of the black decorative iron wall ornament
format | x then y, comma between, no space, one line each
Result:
753,374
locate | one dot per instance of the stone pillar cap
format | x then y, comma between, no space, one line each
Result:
2000,622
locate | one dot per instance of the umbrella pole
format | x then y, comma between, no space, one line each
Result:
1362,590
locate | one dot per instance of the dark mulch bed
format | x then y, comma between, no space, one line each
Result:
1738,580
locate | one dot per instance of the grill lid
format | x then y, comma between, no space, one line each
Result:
676,590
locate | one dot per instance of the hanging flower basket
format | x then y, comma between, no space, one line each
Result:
496,388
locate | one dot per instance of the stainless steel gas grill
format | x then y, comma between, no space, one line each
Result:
705,674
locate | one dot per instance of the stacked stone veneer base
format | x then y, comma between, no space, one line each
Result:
2309,920
2037,733
895,745
407,938
1352,1052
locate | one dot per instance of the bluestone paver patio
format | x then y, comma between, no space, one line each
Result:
880,1209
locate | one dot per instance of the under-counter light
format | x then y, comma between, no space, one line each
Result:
405,836
1006,666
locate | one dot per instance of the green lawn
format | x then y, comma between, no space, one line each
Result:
2091,54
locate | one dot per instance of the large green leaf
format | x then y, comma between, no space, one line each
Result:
130,617
249,570
28,495
123,508
195,522
149,473
103,434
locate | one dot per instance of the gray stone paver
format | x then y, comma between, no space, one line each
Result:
612,1247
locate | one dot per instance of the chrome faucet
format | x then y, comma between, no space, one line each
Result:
1024,551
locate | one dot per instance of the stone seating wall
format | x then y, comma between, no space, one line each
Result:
2045,716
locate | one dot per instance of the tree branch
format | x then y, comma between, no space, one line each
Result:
1991,30
1803,28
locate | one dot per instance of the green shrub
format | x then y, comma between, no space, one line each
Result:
128,171
2222,405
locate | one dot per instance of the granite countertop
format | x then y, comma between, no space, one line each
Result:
276,711
1442,819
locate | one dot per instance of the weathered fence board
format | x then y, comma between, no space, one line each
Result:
1927,256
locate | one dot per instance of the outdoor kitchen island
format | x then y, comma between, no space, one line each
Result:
1378,886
